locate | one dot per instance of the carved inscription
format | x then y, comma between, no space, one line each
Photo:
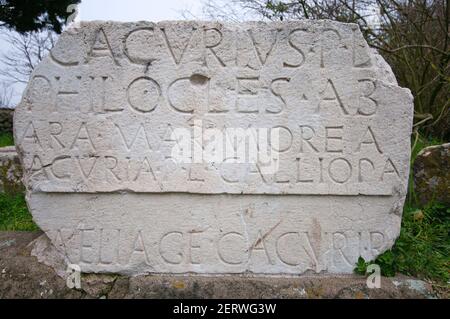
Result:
105,247
283,80
249,235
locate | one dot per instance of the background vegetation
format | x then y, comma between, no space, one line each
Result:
6,139
35,15
14,214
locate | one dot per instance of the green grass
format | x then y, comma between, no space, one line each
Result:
6,139
14,215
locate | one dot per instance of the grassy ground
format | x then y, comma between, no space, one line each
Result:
14,213
6,139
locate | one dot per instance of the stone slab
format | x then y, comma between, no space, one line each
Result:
178,147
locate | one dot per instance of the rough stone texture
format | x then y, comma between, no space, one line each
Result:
6,120
10,170
432,174
22,276
97,134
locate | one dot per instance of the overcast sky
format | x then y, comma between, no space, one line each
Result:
124,10
132,10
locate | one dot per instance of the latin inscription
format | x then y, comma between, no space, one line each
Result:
123,136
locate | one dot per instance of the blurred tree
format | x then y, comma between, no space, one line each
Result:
35,15
26,50
6,94
30,29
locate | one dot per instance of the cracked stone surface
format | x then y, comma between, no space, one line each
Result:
117,190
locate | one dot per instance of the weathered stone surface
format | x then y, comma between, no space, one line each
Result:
10,170
432,174
116,185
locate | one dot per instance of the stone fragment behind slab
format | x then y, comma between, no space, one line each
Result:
10,171
432,174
